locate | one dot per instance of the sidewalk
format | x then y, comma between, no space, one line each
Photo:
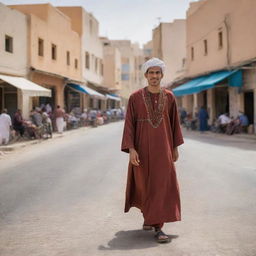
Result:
24,143
251,138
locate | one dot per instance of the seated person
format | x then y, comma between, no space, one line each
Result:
36,117
18,123
47,124
100,119
72,121
233,127
37,120
223,121
84,117
31,130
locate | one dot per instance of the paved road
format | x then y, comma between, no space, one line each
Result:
65,198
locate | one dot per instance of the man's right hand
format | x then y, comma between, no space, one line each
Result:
134,157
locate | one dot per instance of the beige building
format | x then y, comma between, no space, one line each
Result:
169,44
221,37
52,59
148,50
131,59
112,72
15,90
112,68
87,26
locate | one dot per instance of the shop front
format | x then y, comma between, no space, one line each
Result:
113,101
212,91
18,93
84,97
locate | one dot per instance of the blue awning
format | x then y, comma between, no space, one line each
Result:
209,81
86,90
112,96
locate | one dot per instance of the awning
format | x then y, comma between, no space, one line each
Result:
86,90
27,87
113,97
209,81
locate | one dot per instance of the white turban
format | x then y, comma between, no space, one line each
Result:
153,62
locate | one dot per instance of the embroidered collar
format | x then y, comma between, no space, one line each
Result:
155,116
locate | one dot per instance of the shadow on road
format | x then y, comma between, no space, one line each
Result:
132,240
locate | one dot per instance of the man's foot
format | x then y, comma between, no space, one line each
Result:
161,237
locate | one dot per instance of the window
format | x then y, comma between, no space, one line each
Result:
76,63
205,47
87,60
148,52
125,77
96,65
68,58
91,103
192,53
8,44
54,52
93,59
90,24
183,62
125,68
40,47
220,39
101,68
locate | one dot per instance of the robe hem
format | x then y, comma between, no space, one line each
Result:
127,209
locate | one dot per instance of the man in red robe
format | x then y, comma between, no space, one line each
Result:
151,136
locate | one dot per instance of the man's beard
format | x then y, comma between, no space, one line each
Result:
154,82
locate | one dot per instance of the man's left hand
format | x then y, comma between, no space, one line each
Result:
175,154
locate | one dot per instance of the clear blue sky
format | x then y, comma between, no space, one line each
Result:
125,19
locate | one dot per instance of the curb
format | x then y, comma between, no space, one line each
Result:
19,145
245,137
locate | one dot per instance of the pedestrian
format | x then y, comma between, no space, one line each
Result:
59,115
183,115
151,136
18,123
36,117
47,124
5,126
203,119
223,121
244,121
48,108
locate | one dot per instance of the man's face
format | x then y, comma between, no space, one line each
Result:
154,76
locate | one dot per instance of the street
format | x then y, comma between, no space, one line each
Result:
65,197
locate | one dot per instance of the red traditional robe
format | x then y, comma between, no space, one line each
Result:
153,132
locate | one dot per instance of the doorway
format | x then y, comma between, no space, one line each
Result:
221,100
1,99
249,106
48,100
72,99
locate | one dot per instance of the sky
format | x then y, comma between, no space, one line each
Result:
125,19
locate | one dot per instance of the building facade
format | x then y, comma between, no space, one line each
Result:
52,60
169,44
87,26
220,36
112,73
16,91
148,50
131,61
13,55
